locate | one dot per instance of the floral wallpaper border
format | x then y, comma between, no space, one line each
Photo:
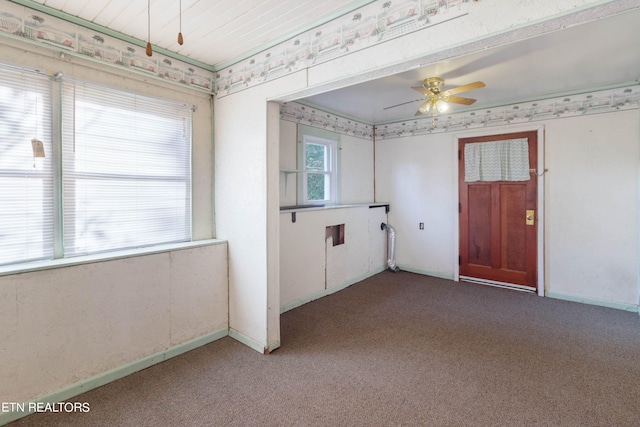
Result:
378,21
605,101
314,117
39,27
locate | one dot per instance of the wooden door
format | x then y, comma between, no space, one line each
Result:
498,223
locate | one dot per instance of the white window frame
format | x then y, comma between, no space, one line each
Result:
330,141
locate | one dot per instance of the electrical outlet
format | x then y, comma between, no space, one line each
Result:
421,225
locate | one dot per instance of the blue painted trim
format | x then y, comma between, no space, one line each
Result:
593,301
115,374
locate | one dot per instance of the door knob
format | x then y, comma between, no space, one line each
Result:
530,217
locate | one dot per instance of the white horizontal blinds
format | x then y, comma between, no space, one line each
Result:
26,181
126,166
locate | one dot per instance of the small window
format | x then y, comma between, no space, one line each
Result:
319,166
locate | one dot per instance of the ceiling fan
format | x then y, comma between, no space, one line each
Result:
438,100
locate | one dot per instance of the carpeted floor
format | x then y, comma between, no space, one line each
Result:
397,350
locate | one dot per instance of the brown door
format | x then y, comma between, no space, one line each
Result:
498,222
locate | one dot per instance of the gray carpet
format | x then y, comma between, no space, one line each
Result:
397,350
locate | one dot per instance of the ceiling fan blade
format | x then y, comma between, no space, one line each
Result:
463,88
459,100
403,103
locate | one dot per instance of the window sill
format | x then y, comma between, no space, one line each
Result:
296,208
102,257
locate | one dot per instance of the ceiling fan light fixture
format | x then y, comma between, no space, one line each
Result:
425,108
442,106
434,105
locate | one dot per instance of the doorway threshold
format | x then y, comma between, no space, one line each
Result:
511,286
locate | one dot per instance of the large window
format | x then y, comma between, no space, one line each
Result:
319,158
120,179
126,163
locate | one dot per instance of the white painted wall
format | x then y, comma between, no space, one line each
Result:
273,227
241,209
246,163
592,207
416,176
62,326
591,201
288,161
311,267
356,170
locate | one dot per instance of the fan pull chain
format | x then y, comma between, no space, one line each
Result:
149,50
180,40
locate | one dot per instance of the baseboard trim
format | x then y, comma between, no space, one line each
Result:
593,301
324,293
114,374
426,273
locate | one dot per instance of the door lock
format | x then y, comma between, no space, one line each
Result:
530,217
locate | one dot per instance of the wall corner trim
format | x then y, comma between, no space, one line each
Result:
250,342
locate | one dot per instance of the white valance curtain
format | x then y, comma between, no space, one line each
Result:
506,160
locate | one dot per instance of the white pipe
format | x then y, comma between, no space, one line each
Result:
391,247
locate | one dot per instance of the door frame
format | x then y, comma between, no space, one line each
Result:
540,208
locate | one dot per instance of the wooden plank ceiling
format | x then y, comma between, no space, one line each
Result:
215,31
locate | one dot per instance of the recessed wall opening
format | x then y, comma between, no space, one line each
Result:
336,232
